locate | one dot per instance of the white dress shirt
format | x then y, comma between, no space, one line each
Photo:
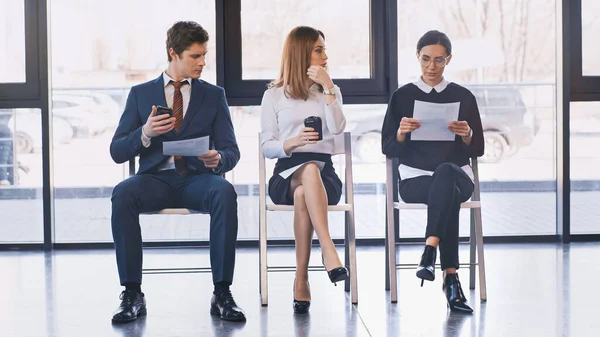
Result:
186,92
407,172
282,118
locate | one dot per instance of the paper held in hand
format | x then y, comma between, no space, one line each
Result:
187,148
285,174
434,118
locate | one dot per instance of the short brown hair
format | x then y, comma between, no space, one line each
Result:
295,61
183,34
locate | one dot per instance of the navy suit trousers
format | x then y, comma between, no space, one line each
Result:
204,192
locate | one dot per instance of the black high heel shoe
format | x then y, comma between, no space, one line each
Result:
300,307
454,294
426,268
336,274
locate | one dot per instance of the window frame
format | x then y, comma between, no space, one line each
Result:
30,89
583,88
383,58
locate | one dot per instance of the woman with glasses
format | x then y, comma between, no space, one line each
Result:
434,165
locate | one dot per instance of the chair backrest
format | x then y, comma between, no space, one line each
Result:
392,178
342,146
132,162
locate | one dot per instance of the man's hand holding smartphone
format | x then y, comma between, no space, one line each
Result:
159,123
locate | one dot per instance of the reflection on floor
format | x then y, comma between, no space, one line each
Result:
533,290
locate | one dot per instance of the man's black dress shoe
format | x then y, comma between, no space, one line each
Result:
426,268
133,305
454,294
223,306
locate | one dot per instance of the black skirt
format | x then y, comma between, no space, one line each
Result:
279,187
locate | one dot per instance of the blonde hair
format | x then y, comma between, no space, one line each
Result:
295,61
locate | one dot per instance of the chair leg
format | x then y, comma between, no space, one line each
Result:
472,245
352,253
346,250
391,256
387,261
263,269
480,254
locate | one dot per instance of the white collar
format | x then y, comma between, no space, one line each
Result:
167,79
427,88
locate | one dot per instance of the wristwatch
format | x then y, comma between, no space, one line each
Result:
329,92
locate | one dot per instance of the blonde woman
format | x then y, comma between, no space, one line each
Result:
304,176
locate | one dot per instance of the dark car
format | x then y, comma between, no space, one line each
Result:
507,124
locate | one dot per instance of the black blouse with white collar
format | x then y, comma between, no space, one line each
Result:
428,155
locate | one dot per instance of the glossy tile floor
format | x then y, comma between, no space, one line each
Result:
533,290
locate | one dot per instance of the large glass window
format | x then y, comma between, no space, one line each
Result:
590,26
98,53
12,41
512,75
585,177
345,24
20,176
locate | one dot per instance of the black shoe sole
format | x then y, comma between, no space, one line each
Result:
141,313
425,274
216,313
459,310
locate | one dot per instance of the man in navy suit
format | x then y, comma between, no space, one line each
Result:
199,109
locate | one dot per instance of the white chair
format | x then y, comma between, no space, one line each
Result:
170,211
347,207
476,231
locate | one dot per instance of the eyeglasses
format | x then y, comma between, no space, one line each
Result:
437,61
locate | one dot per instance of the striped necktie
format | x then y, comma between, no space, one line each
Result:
180,166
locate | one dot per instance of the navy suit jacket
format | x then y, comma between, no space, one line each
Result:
207,115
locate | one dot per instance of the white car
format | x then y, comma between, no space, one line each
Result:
82,112
104,109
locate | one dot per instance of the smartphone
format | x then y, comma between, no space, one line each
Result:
315,123
164,110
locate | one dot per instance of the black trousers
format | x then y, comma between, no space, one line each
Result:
443,193
152,192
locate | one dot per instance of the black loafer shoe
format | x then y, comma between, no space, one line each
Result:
223,306
133,305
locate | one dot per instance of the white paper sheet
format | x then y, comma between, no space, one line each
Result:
285,174
187,148
434,118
